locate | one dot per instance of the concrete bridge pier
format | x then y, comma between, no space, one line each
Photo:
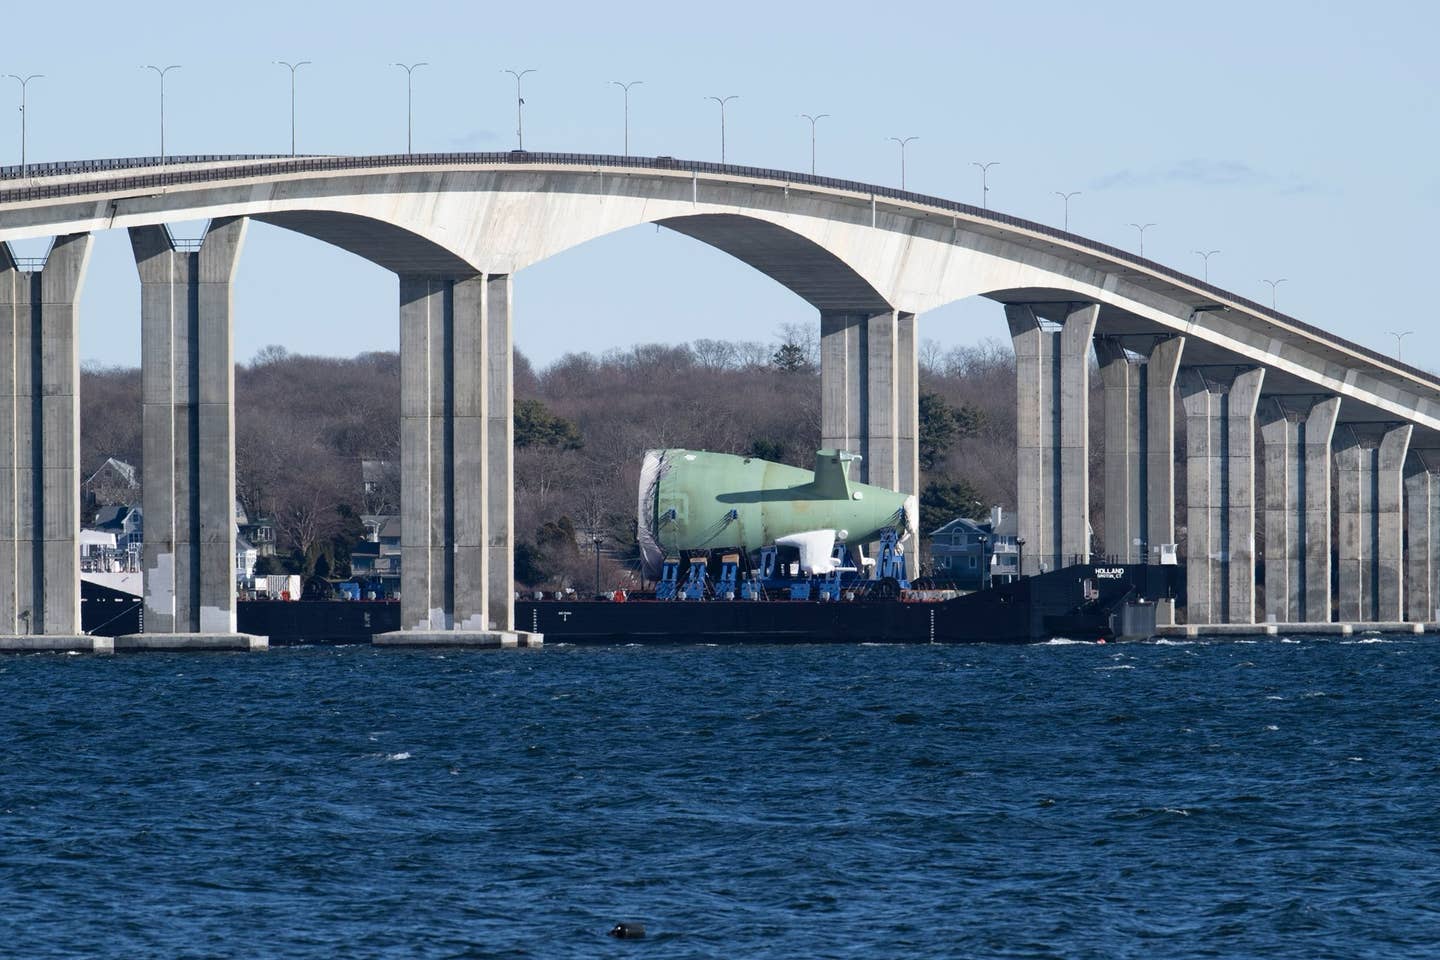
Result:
869,397
1220,493
1052,372
1420,540
188,431
1139,491
455,480
869,400
500,461
1295,434
39,449
1370,541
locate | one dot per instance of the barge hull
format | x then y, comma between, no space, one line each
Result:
1080,602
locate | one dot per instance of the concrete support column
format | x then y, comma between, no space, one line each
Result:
1370,543
1203,552
1052,356
1161,372
188,422
1220,495
1076,336
500,453
1419,545
457,436
1139,489
843,385
443,412
907,411
1390,523
1125,491
869,393
1434,538
1281,433
1354,467
1296,434
882,395
40,441
1319,431
1240,406
870,397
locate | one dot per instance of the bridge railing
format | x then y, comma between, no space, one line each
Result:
73,167
272,165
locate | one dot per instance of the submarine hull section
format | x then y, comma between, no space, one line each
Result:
694,500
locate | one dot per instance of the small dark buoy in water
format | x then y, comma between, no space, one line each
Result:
628,931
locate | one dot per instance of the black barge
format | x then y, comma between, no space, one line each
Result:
1082,602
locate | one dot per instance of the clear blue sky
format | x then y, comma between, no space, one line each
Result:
1300,139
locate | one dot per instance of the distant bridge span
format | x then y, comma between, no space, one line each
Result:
456,227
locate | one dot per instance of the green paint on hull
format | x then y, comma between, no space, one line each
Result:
695,500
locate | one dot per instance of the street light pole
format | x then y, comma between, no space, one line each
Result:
292,67
984,182
519,107
902,142
1206,255
813,120
1142,227
24,82
722,101
1066,197
626,87
1273,285
597,540
410,102
160,72
1399,335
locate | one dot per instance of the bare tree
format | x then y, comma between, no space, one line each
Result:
714,354
932,356
750,354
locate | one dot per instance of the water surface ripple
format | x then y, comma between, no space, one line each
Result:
1273,799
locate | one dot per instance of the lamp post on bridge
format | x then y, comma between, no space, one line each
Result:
1066,197
24,82
626,88
1273,285
160,72
1399,335
984,182
1206,255
813,120
519,106
722,101
292,67
1142,227
410,102
902,141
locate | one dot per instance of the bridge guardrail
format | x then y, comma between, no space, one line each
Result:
283,164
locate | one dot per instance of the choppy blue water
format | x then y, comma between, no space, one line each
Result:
1192,800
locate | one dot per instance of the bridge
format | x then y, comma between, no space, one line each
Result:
1330,415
